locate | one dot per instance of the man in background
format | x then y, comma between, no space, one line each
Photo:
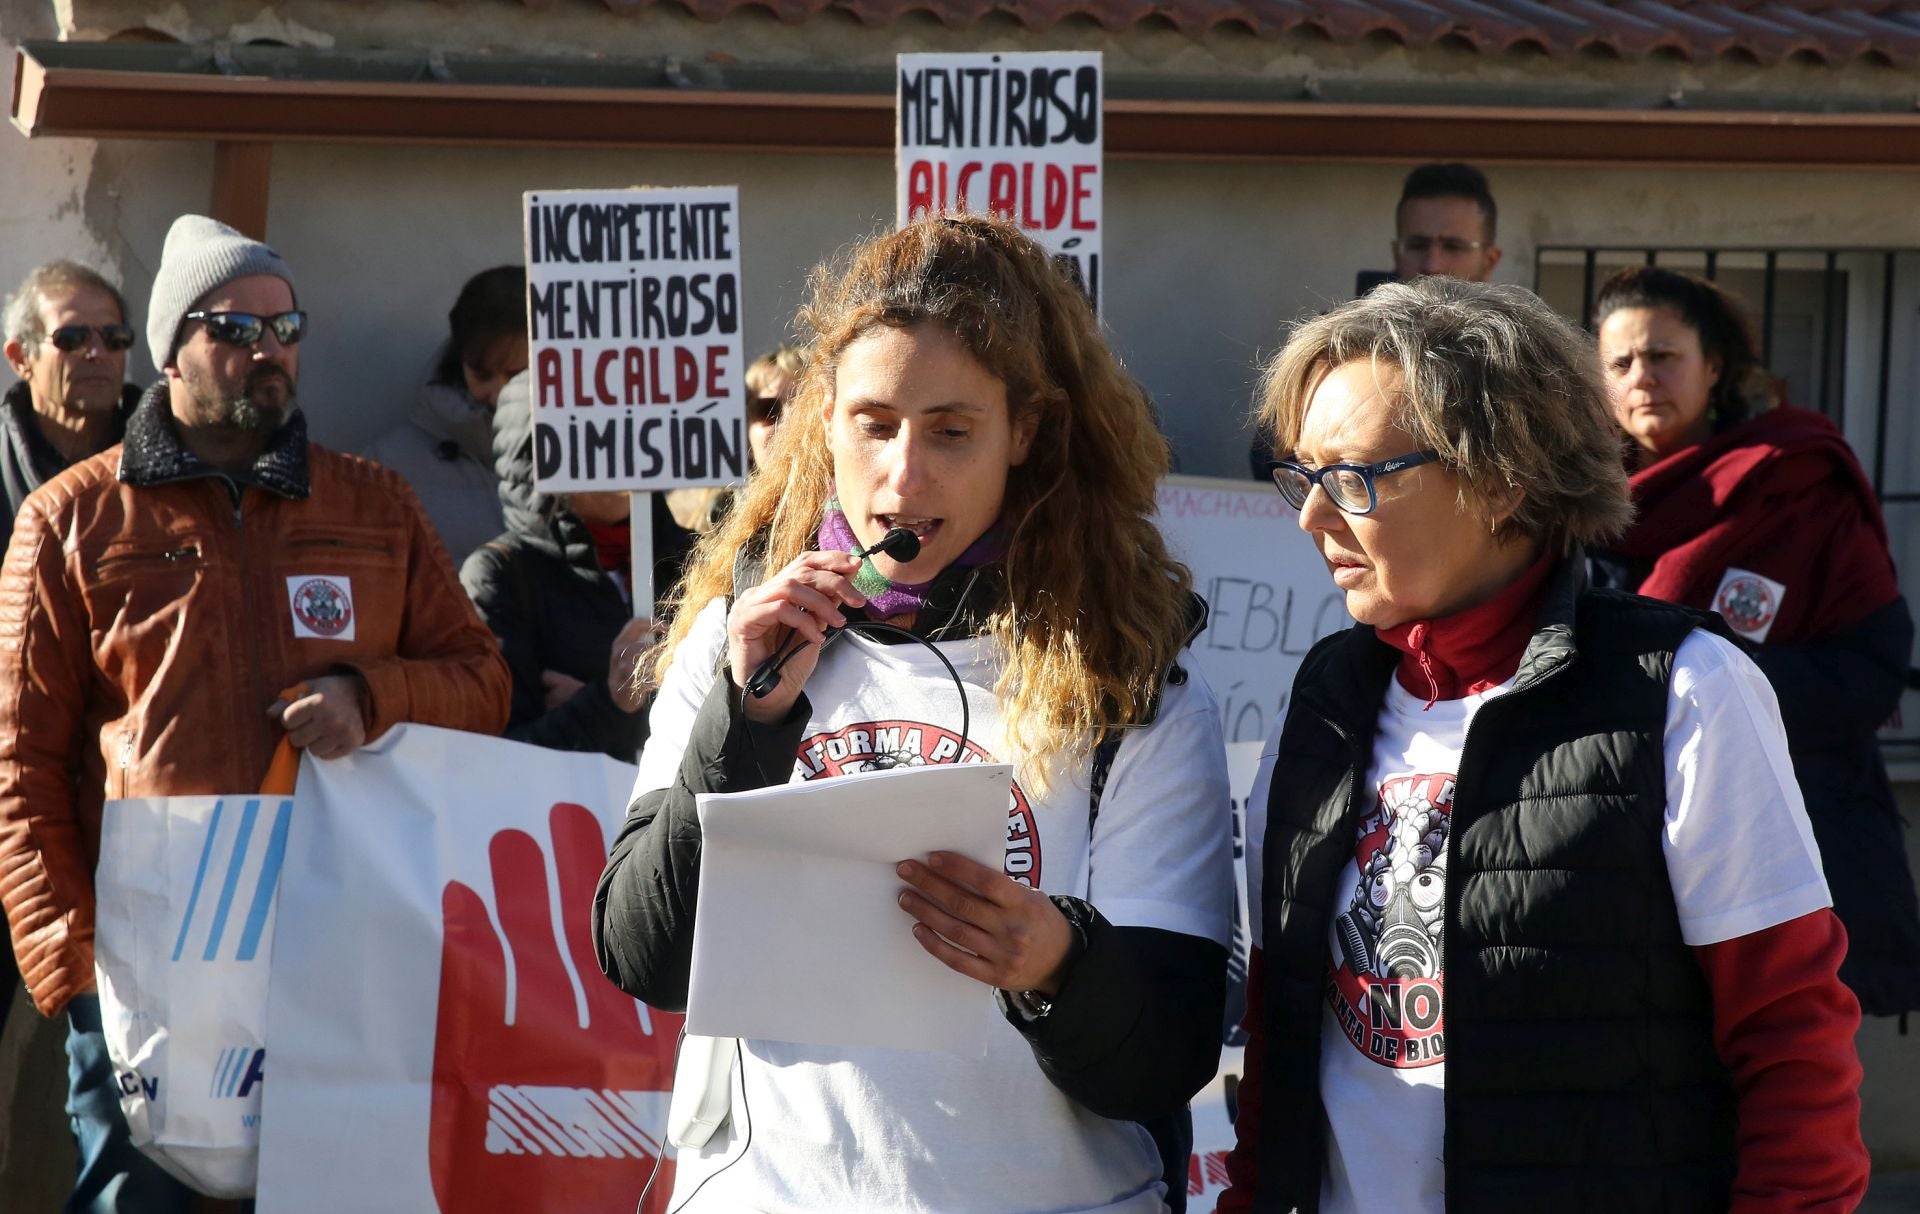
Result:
1445,224
175,607
66,337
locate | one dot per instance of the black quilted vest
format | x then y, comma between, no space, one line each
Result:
1581,1071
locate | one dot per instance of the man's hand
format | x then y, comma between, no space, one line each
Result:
1006,935
628,682
327,721
558,688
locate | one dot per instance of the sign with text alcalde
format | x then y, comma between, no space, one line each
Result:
1013,135
633,308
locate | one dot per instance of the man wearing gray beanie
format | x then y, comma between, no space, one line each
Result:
221,586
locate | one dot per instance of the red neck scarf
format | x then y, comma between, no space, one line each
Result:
1469,651
1780,495
613,547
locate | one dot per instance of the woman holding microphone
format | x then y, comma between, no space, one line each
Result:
959,389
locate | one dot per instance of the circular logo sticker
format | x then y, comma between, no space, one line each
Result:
322,607
1747,602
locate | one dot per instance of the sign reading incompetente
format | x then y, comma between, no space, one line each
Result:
633,310
1013,135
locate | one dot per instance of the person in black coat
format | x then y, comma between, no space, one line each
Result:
556,590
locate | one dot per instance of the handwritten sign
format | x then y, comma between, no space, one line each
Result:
633,310
1014,135
1270,595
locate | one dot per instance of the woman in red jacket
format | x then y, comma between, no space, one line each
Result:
1763,514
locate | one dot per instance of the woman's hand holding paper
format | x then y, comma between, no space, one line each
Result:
984,924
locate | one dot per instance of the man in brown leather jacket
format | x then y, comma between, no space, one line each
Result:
173,607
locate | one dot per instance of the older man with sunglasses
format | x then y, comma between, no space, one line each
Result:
67,339
174,608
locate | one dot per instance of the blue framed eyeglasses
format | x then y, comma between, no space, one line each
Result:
1348,486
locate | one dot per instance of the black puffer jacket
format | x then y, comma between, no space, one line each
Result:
1578,1024
542,591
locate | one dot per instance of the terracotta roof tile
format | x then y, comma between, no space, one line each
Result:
1766,31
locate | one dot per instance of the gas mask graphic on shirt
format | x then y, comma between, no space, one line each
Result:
1385,988
1394,926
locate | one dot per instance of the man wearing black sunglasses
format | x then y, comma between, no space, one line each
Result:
175,608
67,339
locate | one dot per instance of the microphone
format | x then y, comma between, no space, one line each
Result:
899,543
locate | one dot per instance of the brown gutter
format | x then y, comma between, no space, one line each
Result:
107,104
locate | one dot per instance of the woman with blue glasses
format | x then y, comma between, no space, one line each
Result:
1540,922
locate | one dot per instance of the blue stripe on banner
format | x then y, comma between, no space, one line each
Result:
269,881
200,875
213,1085
233,1072
235,863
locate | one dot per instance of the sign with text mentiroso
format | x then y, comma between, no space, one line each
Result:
1013,135
633,311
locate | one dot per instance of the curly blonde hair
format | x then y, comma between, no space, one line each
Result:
1078,658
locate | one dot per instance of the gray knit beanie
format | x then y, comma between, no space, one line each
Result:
200,254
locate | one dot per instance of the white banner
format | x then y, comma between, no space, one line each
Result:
1268,589
183,937
442,1037
1018,135
633,314
1215,1105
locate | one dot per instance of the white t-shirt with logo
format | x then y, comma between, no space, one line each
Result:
1739,852
832,1128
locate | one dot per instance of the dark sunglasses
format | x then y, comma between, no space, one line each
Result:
247,328
68,338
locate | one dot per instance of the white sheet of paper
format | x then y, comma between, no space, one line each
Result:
798,935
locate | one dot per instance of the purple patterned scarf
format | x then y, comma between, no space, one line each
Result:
886,599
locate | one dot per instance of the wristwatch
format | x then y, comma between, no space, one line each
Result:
1038,1005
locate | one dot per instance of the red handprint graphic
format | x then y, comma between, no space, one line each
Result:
554,1112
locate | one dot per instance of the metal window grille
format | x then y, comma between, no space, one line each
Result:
1839,328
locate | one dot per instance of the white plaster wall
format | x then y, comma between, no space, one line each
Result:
1205,261
106,204
41,205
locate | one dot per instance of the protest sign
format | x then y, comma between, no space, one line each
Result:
1268,590
441,1034
633,317
1014,135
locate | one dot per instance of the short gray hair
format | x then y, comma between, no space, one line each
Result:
1494,380
21,319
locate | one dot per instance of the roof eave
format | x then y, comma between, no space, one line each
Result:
117,103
